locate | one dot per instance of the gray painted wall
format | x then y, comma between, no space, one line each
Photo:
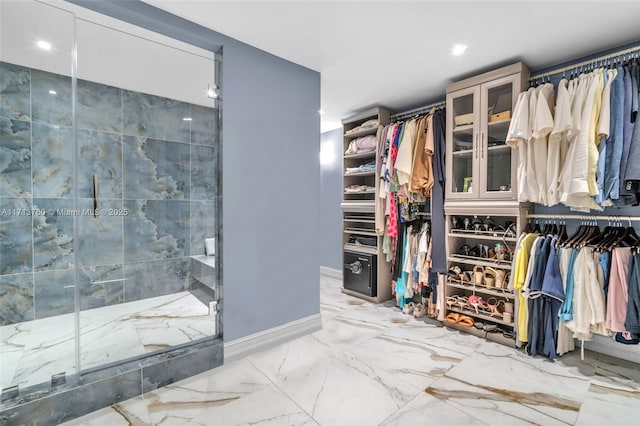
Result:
330,198
271,189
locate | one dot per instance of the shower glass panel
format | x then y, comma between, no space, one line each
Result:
109,165
146,146
37,257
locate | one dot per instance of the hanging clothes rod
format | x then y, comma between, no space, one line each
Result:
417,111
584,217
632,51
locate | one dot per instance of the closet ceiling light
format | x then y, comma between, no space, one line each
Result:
321,112
458,49
187,119
44,45
53,92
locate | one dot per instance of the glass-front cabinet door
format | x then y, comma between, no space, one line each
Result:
480,165
462,139
497,180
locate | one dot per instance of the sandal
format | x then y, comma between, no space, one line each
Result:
509,334
451,300
454,271
478,274
492,302
499,309
488,224
408,308
500,275
490,277
464,250
477,224
475,302
453,318
465,321
462,302
490,328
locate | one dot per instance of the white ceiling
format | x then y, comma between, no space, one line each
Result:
397,53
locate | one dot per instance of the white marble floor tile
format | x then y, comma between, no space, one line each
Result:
427,410
337,388
602,406
516,378
414,362
603,371
375,316
340,331
437,338
497,407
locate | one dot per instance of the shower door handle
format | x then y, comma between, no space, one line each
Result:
95,195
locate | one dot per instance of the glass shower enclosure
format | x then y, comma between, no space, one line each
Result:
109,187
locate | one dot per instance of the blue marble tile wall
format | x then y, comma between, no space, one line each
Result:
157,193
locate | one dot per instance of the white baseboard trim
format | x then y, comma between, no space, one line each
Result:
245,346
331,273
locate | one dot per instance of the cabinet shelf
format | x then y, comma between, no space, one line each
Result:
494,337
469,260
489,236
464,128
472,313
500,123
363,219
362,155
360,248
363,132
499,148
480,289
463,153
369,191
359,209
360,231
360,174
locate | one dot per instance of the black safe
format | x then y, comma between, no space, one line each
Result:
360,273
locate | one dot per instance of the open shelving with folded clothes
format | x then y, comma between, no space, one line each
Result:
362,242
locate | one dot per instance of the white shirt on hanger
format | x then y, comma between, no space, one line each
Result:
557,152
517,138
542,126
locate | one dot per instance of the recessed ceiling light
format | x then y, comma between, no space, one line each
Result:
44,45
53,92
458,49
187,119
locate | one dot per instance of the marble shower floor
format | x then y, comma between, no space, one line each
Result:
30,352
372,365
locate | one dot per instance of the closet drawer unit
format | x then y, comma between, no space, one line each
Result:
360,273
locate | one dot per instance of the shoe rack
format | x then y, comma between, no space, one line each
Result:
481,242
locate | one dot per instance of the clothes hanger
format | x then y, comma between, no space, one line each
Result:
578,234
562,233
603,236
536,228
629,238
593,230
